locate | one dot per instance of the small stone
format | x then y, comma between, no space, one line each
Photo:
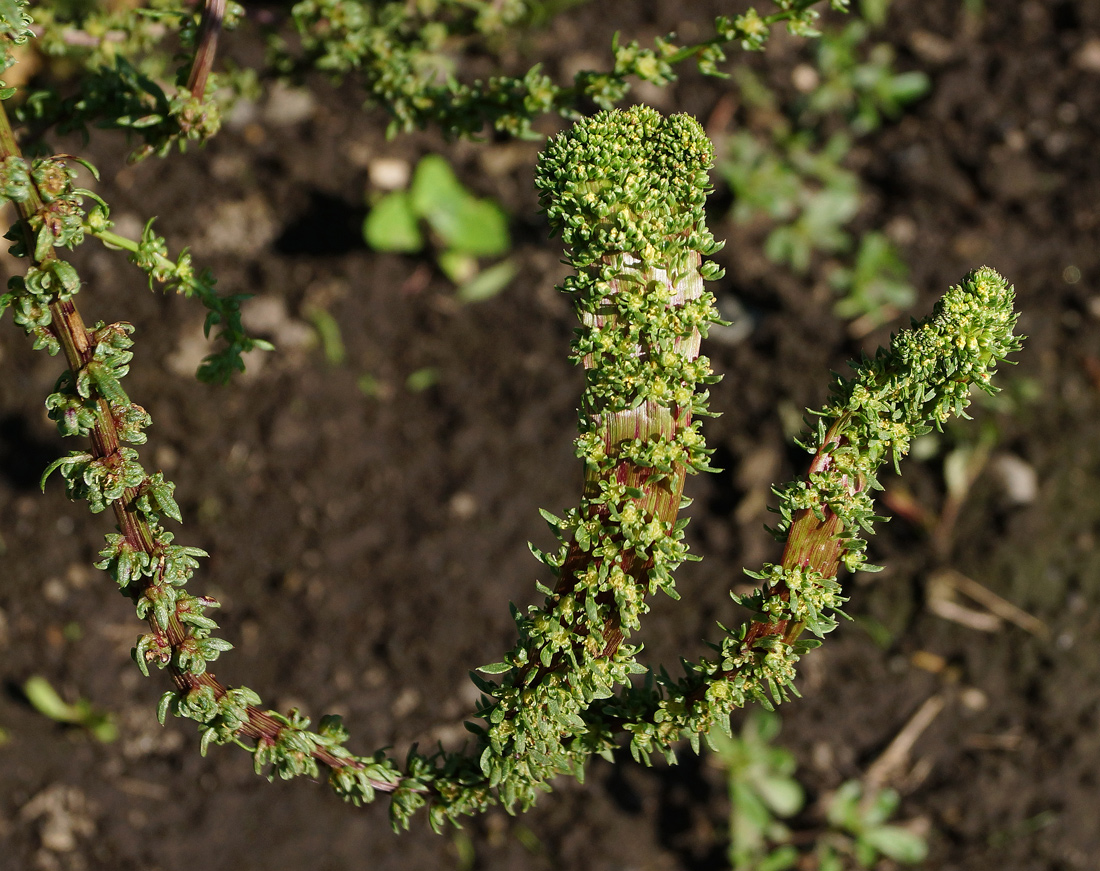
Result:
405,703
805,78
740,325
53,591
1018,478
463,506
973,699
931,47
268,316
239,227
127,224
191,348
1087,57
243,113
902,230
65,816
287,106
928,661
389,173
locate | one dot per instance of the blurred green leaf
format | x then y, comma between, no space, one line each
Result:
371,386
827,859
782,795
844,808
897,843
882,807
761,727
464,847
392,225
488,283
461,220
45,699
877,285
478,227
328,331
422,379
779,859
458,266
874,12
904,88
435,187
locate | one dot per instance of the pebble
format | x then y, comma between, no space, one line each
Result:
65,816
268,316
1087,57
389,173
1018,478
239,227
287,106
741,322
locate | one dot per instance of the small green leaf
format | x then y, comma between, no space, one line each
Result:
63,461
163,495
476,227
43,244
495,668
458,266
392,225
488,283
897,843
435,188
782,795
422,379
553,521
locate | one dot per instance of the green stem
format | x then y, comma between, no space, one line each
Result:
114,240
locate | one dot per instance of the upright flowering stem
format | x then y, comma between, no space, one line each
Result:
650,423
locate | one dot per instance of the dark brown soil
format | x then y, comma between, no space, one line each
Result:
365,547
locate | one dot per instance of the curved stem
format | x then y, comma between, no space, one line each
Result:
68,326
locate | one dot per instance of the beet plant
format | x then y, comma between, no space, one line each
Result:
625,190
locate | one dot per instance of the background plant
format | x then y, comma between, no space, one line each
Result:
788,166
764,794
464,226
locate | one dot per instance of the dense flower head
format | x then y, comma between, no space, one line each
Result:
628,180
